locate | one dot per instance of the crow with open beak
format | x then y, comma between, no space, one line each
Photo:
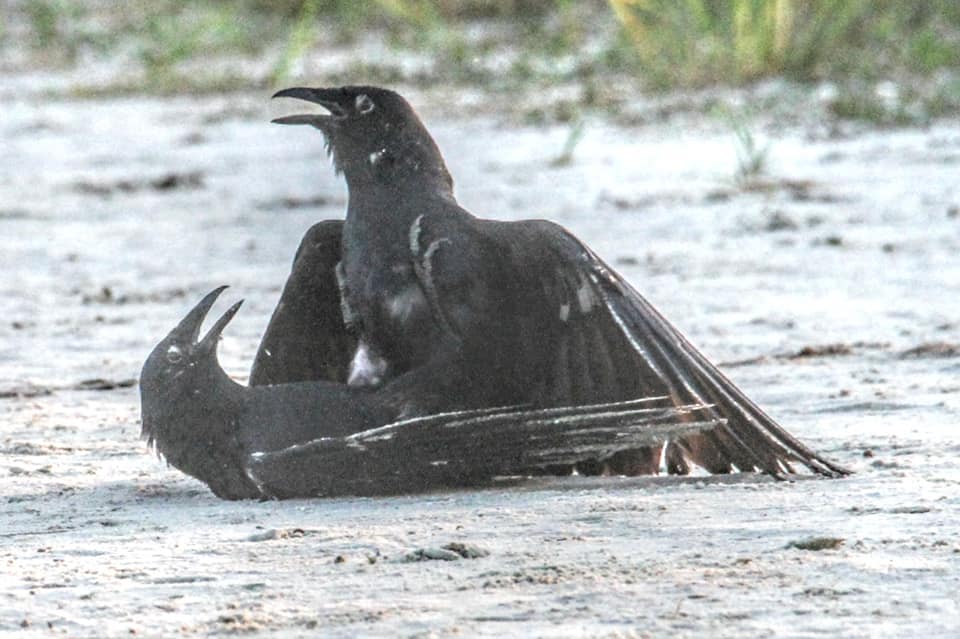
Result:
207,425
321,438
453,312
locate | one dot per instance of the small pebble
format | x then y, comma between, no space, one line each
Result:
816,543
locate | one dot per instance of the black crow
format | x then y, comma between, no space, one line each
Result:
453,312
206,425
316,438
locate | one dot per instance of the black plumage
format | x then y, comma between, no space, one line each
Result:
453,312
307,338
207,425
304,439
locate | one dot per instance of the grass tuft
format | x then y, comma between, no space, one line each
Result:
301,38
697,42
752,155
574,136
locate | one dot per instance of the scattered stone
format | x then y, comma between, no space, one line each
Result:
106,295
808,191
953,212
623,203
749,361
449,552
293,202
932,349
28,448
862,510
830,240
25,391
620,203
880,463
193,138
810,351
816,543
91,188
166,182
239,622
832,593
29,390
467,551
427,554
186,579
780,221
14,214
910,510
103,296
177,181
718,196
832,156
826,350
339,559
100,384
276,533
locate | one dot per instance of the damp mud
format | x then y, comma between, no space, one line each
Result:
827,286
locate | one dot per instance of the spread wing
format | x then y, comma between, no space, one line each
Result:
306,338
556,326
468,448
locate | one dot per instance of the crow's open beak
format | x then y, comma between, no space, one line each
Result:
210,340
213,335
329,99
188,330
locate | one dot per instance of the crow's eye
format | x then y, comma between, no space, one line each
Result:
174,355
364,104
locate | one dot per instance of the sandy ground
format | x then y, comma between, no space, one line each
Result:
831,292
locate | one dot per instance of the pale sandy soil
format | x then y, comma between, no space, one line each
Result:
116,215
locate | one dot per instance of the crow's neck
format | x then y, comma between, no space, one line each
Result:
381,210
183,415
218,394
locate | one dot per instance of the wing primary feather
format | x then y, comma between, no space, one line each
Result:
748,437
471,447
762,431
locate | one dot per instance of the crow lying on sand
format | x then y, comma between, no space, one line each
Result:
305,439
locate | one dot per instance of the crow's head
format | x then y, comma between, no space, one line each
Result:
183,366
372,133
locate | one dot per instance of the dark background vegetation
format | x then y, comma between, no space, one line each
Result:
170,46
